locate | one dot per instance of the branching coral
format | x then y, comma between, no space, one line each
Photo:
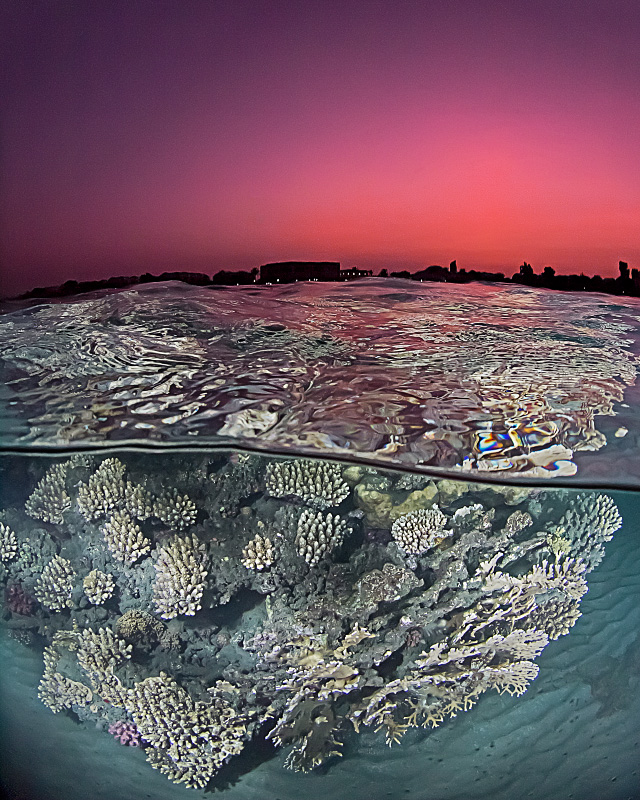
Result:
50,500
98,587
590,521
176,510
125,540
55,586
8,544
420,531
318,534
105,492
190,740
58,692
317,483
259,553
180,577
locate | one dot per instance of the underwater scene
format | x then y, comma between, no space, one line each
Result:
368,540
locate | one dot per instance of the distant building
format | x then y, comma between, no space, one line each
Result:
292,271
353,273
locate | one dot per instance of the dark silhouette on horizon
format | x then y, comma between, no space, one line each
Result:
627,283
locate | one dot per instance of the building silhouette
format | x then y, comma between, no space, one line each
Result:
291,271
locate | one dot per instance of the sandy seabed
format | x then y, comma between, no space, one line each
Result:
574,734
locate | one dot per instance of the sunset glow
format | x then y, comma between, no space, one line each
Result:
144,137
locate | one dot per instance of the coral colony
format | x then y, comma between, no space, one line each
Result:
363,598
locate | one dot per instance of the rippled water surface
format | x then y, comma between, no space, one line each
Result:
502,380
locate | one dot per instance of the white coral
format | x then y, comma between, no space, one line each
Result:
49,499
180,577
420,531
98,587
8,544
318,534
259,553
316,482
125,540
176,510
55,586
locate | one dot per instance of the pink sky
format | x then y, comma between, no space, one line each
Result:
204,136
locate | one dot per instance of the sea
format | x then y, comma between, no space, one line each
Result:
366,540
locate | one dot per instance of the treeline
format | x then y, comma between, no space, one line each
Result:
68,288
627,283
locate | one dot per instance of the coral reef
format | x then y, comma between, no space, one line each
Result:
259,553
317,483
8,544
49,500
318,534
125,540
98,587
401,610
419,531
55,586
180,577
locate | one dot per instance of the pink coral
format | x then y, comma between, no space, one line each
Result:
126,733
19,601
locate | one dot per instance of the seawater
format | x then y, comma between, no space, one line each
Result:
375,539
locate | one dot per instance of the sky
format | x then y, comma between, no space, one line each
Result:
149,136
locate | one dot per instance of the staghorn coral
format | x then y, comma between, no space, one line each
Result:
318,534
50,500
190,740
317,483
175,510
55,586
420,531
8,544
125,540
590,521
98,587
105,492
180,577
259,553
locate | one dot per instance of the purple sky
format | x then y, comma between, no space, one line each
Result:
146,136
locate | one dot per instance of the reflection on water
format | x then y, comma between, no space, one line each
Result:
198,605
498,380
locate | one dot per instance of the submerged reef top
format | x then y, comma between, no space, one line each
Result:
201,605
504,382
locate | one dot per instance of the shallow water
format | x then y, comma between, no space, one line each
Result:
264,624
